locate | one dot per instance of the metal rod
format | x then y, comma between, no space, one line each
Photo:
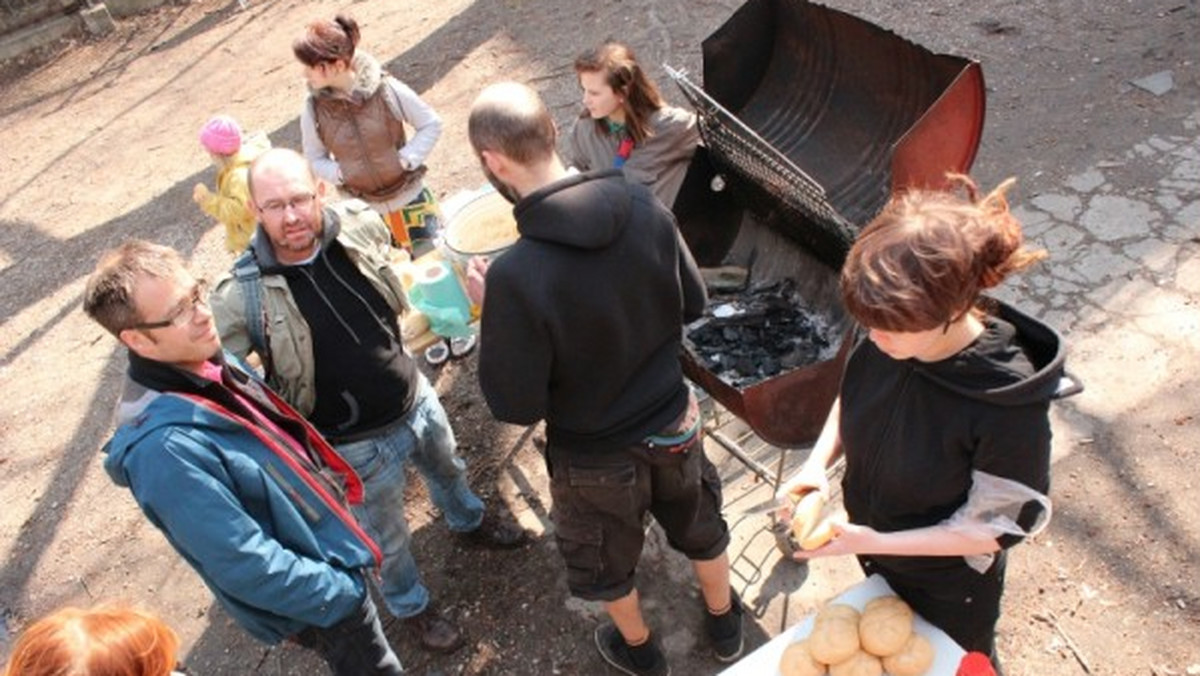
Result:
736,451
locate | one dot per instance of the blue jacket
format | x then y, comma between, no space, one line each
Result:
267,530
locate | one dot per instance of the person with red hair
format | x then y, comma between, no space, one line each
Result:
106,640
943,411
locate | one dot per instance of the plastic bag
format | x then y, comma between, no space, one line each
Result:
438,294
992,508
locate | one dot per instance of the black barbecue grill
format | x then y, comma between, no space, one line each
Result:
815,117
811,119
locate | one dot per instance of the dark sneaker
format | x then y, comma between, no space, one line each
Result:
644,660
725,631
436,633
496,533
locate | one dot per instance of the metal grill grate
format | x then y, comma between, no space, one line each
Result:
747,154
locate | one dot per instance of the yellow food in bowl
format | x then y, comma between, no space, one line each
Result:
484,225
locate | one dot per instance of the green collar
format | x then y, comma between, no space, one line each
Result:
615,128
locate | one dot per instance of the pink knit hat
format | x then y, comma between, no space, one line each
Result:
221,135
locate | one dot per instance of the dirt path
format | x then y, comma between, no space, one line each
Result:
99,145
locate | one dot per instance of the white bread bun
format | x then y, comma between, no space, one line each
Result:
797,660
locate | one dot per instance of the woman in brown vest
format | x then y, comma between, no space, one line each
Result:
353,130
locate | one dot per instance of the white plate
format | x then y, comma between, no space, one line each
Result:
765,660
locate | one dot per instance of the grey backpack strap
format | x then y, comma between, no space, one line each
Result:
246,272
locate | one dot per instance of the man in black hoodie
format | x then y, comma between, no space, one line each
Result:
582,329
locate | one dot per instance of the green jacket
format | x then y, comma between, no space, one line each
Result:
292,370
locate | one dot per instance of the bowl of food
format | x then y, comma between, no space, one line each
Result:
483,225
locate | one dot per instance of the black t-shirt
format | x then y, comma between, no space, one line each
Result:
364,379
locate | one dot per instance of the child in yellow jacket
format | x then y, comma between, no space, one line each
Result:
222,137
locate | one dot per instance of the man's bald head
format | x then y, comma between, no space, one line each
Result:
510,118
280,162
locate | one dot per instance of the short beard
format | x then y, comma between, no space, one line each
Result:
506,191
288,245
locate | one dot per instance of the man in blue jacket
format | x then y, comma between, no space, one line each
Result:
239,483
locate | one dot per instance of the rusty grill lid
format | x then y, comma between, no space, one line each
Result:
817,117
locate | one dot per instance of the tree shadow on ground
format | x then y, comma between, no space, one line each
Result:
42,265
71,465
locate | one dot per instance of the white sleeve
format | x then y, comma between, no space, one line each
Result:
406,105
314,149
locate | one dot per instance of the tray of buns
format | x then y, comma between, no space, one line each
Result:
767,659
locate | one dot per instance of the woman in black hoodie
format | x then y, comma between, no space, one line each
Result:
943,410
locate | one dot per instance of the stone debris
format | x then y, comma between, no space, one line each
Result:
1157,83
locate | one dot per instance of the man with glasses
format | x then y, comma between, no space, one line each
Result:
327,333
239,483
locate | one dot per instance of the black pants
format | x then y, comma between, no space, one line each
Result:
355,646
963,603
600,503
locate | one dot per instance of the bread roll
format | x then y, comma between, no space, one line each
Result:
834,637
914,658
860,663
818,536
885,625
807,514
838,610
797,660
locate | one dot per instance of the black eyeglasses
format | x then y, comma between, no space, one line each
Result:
183,313
297,203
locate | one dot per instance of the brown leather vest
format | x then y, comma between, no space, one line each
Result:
364,137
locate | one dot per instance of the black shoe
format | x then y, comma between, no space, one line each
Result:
648,660
725,631
436,633
495,533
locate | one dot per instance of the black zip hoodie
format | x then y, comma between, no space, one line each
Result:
914,431
364,379
583,317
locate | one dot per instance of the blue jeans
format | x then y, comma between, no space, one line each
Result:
424,435
355,646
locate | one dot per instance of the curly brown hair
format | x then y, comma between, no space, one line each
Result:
924,260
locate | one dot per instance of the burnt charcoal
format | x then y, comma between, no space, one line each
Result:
770,367
801,354
745,366
779,348
764,331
